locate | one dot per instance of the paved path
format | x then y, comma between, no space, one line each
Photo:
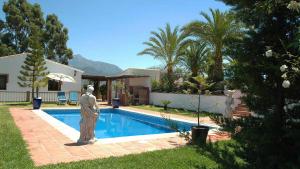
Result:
47,145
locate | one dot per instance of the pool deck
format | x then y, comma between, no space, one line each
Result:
47,145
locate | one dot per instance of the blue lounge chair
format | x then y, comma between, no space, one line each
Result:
73,99
61,98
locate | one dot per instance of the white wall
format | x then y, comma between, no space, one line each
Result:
141,81
214,104
154,74
11,65
55,67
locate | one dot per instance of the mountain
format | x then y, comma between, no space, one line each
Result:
91,67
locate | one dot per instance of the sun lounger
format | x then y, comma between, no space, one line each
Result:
73,99
61,98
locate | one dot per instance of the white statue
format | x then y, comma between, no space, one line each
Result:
89,115
229,102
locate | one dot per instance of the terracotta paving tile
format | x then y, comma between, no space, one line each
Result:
47,145
77,151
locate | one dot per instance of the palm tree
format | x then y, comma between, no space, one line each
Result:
195,57
166,45
217,30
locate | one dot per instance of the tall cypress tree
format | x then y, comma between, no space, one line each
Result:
267,63
34,71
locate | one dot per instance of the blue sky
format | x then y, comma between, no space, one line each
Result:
113,30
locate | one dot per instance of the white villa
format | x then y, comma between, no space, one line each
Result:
137,87
10,67
137,80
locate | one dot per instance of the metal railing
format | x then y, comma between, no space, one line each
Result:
13,96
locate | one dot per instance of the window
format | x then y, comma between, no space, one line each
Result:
3,81
53,85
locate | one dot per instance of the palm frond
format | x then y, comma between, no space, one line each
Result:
166,44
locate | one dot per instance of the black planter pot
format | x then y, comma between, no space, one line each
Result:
37,103
199,134
115,102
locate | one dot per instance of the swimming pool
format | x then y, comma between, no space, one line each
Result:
114,123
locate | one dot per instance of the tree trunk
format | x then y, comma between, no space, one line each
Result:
32,85
32,93
37,91
198,112
195,71
217,72
170,78
169,71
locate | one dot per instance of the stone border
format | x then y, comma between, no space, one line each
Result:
172,118
66,130
73,134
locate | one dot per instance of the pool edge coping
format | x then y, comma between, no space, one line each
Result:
73,134
172,118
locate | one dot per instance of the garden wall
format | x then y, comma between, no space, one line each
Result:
214,104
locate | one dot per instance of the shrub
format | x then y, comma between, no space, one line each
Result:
166,103
155,86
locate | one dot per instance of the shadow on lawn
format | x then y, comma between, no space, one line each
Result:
226,154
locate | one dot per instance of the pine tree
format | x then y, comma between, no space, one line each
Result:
34,71
20,16
56,37
266,68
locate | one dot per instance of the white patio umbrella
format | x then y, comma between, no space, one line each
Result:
61,78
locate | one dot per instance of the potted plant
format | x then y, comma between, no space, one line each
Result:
199,132
116,101
37,101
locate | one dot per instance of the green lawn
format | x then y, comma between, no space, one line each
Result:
172,110
14,155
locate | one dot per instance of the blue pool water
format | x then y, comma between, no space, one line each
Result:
119,123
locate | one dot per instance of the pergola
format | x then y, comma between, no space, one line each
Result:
123,78
96,80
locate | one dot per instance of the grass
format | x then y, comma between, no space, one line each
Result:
172,110
13,152
189,158
222,155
